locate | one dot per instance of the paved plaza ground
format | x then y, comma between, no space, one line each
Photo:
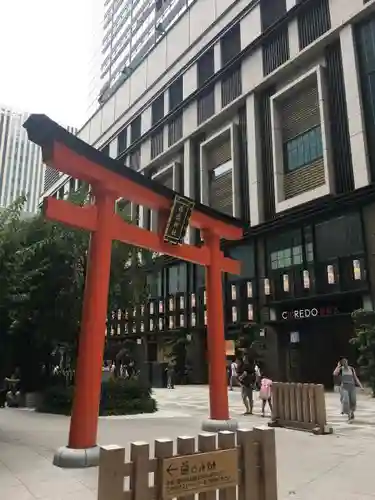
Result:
309,467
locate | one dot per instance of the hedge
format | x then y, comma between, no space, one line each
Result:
118,397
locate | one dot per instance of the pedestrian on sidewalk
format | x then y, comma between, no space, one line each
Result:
265,393
170,375
246,377
233,374
258,376
349,381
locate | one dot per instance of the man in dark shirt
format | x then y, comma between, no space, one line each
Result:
246,377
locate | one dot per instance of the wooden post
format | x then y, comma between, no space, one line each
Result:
111,473
226,441
305,403
185,446
207,442
287,401
163,449
275,401
312,404
292,402
139,481
321,414
266,438
249,487
299,402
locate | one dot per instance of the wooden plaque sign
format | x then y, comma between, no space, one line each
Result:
189,474
178,220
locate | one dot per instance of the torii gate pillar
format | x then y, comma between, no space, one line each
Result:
219,410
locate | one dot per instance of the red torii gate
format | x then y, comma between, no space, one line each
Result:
110,180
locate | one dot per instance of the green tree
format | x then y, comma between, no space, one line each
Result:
364,341
11,279
44,264
178,352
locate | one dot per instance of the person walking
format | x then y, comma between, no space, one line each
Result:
233,374
246,377
170,375
265,393
349,381
258,376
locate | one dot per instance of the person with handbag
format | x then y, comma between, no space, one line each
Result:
348,393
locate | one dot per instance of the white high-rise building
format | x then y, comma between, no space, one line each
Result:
128,30
21,167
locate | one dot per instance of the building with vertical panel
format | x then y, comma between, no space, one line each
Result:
257,109
22,171
21,166
130,29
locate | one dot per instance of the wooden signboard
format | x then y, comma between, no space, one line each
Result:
189,474
178,221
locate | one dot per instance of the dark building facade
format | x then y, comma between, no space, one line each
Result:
268,114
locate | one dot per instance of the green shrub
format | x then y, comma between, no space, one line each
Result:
56,399
118,397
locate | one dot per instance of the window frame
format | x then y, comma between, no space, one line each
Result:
207,60
122,140
300,141
230,44
176,88
136,129
157,109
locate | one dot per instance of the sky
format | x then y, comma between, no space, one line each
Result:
46,52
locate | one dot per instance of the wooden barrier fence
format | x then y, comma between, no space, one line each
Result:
299,406
239,466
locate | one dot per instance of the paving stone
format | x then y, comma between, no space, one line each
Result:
309,467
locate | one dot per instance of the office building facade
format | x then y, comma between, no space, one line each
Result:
22,171
130,30
257,109
21,166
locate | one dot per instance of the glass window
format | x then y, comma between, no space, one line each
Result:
339,237
205,67
154,284
365,38
230,44
303,149
285,250
175,92
200,276
309,252
245,254
177,279
286,258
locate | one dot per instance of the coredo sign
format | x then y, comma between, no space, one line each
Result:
307,313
